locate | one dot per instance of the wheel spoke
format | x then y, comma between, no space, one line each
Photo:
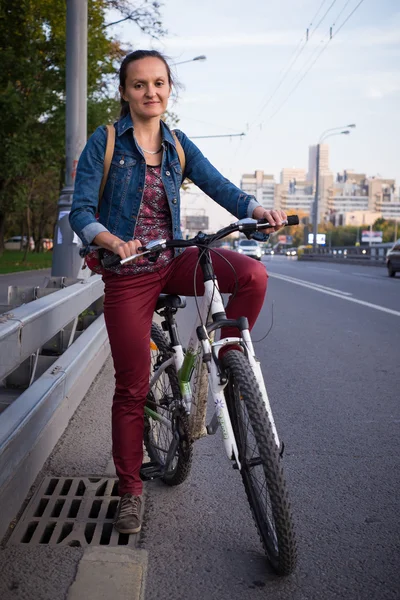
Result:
164,398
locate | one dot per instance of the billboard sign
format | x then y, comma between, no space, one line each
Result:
196,222
372,236
285,239
321,239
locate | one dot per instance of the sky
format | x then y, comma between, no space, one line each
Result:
263,78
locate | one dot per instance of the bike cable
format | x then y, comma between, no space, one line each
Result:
195,273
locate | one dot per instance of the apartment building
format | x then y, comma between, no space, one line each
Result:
323,161
292,175
371,197
349,196
260,185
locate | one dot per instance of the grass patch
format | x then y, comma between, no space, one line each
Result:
12,261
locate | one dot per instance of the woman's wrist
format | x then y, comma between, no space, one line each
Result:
108,241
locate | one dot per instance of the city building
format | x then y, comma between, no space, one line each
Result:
323,161
349,198
355,197
295,197
292,175
260,185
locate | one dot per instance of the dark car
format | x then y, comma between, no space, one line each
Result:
393,259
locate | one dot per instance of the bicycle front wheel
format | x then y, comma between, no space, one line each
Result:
261,466
165,415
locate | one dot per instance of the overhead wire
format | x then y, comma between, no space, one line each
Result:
332,35
296,55
285,72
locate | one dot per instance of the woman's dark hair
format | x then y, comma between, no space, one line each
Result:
138,55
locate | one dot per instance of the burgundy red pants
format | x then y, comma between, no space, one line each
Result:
128,309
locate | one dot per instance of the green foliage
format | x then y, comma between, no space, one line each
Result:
388,228
346,235
32,98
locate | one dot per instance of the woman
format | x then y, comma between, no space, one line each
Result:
141,202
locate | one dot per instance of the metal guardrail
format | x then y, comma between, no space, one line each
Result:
26,328
374,255
33,423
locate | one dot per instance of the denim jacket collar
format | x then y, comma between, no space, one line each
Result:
126,123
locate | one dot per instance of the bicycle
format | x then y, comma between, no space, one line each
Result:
175,413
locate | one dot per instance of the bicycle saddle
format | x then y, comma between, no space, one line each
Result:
170,301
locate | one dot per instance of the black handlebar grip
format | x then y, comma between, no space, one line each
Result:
293,220
111,261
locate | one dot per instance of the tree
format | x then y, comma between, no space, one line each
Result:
387,227
297,231
32,100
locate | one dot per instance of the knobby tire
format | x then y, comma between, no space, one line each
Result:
259,457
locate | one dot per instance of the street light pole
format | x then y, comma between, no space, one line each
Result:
66,259
327,133
315,212
229,135
201,57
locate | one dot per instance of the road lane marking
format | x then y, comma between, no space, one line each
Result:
341,295
311,284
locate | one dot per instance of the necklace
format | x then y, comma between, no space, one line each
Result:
148,151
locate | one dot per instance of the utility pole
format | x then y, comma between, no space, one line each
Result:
66,259
327,133
315,212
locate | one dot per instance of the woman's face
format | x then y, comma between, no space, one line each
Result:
147,88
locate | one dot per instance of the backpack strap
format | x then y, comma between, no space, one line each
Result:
181,152
110,130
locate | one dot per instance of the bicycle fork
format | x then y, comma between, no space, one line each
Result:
217,384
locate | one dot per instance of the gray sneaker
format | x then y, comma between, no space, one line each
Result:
127,518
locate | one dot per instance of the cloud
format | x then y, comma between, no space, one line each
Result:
384,90
376,85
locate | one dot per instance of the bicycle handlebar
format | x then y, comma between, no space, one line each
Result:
201,239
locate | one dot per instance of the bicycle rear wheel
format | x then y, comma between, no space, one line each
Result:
164,402
261,467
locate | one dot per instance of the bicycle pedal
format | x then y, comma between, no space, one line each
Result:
151,470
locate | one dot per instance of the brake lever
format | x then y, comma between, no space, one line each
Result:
152,248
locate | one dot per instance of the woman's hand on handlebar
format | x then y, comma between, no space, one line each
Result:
125,249
274,217
111,242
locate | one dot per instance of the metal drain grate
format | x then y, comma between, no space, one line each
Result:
72,511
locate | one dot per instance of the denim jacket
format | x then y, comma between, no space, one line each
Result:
123,191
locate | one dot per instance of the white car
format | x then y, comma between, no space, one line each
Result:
14,243
250,248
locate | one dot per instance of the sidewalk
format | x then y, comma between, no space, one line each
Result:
47,571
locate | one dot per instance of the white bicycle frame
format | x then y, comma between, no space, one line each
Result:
212,303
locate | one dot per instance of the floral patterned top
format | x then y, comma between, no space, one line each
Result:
153,223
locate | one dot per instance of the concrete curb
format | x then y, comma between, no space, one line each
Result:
25,271
104,573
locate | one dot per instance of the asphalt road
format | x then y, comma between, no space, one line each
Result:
331,363
332,371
